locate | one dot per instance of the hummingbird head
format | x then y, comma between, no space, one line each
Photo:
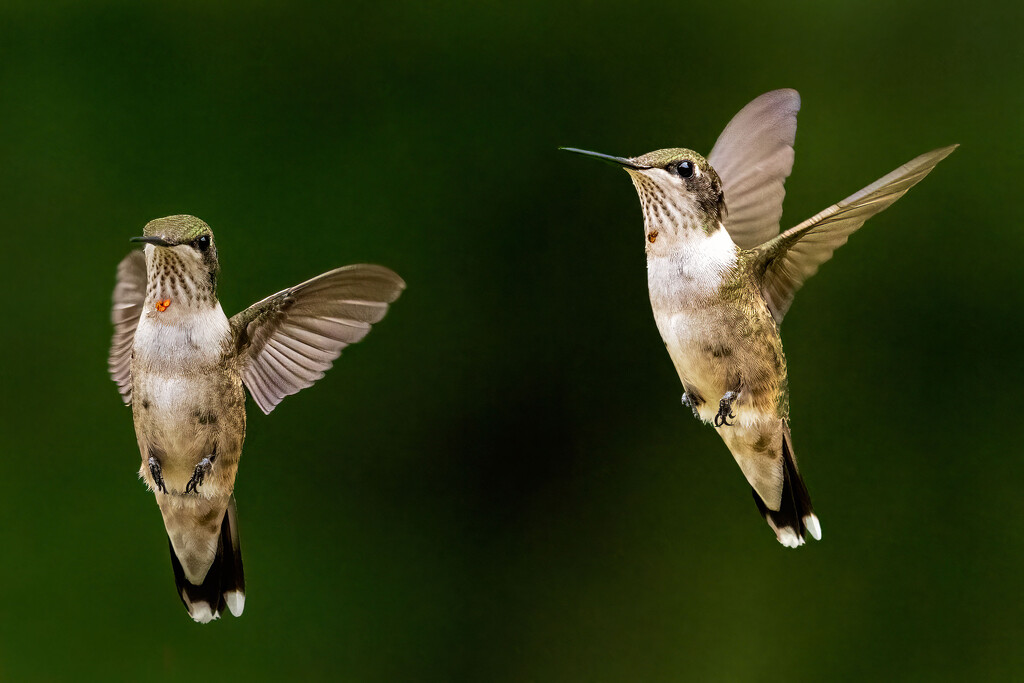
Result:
679,191
181,260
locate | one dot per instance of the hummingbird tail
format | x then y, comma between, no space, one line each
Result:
224,583
795,516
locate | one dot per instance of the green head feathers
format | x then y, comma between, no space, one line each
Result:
669,160
185,253
180,229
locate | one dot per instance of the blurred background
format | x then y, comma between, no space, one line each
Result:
500,484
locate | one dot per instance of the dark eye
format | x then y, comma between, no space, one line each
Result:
202,243
685,168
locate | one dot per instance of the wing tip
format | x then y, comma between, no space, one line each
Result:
786,93
943,152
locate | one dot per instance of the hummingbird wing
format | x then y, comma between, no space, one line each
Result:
287,341
753,157
129,297
792,257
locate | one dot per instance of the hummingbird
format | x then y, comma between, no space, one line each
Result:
183,366
721,278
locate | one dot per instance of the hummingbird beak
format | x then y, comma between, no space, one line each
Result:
152,239
621,162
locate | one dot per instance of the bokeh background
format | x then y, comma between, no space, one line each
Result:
499,484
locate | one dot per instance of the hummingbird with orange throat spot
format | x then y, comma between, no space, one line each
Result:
184,366
721,277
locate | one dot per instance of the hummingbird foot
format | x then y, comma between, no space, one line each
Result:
202,469
158,474
725,410
691,401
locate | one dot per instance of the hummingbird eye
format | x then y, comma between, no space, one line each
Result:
685,168
202,243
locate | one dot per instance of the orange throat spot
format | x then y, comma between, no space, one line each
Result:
162,305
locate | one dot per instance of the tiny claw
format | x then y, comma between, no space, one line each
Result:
199,474
725,410
723,420
157,473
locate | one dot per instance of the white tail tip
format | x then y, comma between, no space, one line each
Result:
788,538
235,601
201,613
813,526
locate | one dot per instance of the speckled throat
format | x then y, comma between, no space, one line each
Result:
664,213
185,282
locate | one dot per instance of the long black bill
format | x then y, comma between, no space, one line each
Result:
621,162
152,239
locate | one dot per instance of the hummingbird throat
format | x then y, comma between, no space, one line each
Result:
180,279
670,213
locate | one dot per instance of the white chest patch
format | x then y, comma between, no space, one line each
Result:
168,341
693,267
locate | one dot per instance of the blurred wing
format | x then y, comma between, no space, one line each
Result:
129,296
287,341
753,157
795,255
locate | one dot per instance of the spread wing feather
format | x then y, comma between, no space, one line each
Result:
287,341
753,157
796,254
129,297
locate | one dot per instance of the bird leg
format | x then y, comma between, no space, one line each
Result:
725,409
202,469
157,473
692,401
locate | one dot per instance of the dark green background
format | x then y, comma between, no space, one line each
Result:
499,484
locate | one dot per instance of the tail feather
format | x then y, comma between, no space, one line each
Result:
224,583
795,516
232,584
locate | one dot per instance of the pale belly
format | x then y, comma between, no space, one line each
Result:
715,351
702,357
188,404
182,419
175,409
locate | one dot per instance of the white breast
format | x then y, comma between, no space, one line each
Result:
171,341
692,269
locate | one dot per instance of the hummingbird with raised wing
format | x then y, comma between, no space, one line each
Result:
721,277
183,366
